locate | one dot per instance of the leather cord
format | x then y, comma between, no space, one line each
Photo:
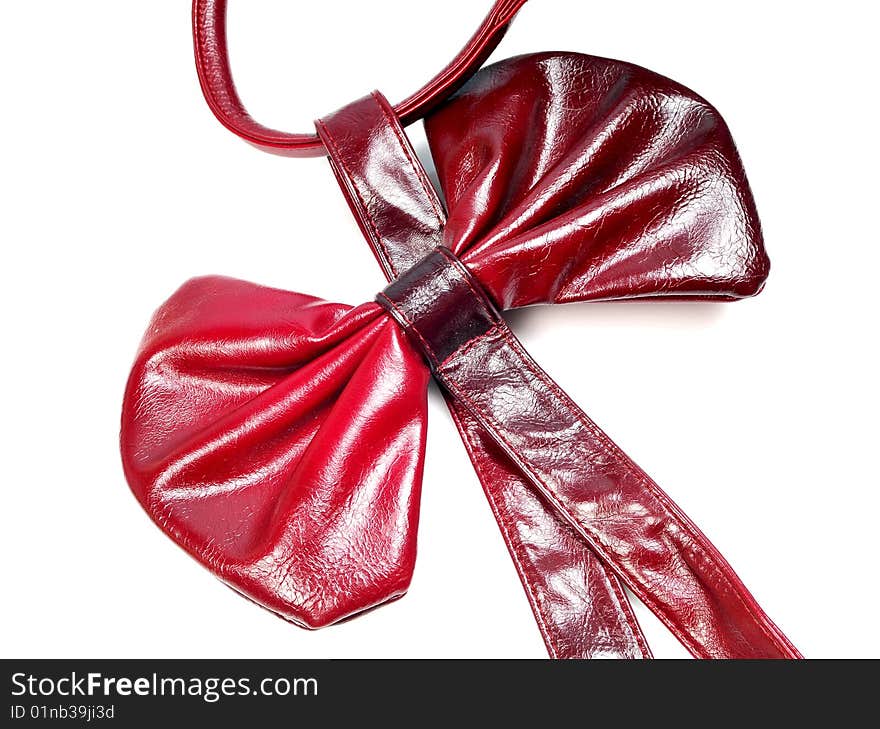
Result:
215,77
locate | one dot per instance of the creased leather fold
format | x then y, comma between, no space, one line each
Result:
243,435
573,178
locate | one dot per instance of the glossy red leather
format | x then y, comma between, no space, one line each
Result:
637,192
280,439
243,434
393,202
721,617
580,607
613,505
215,77
573,178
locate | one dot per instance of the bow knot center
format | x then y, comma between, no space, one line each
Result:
440,305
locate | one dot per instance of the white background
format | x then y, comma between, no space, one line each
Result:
117,184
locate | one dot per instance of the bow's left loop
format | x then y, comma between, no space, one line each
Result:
242,436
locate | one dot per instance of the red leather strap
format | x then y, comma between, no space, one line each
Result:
215,77
580,608
570,466
612,504
399,234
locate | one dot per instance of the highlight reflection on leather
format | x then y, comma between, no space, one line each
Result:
572,178
215,77
243,435
280,438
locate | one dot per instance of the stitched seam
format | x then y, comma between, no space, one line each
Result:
524,572
608,448
462,349
340,159
409,325
394,123
629,617
525,577
614,452
468,346
467,276
629,469
643,480
594,541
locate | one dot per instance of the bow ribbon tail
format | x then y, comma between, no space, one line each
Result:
580,606
609,502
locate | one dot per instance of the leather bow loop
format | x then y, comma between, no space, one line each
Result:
572,178
243,435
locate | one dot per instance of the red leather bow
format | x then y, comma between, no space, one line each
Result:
280,438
